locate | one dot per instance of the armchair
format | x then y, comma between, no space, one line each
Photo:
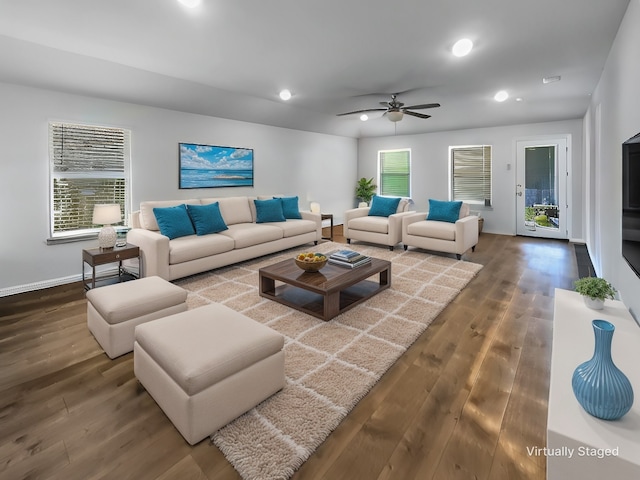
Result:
359,225
441,236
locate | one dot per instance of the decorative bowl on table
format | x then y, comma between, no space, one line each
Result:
310,262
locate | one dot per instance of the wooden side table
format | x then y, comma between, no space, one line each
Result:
328,216
103,256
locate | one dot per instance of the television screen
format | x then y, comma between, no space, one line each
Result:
631,202
210,166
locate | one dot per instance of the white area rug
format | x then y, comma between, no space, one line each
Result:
329,366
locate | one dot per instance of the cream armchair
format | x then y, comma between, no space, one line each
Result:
440,236
359,225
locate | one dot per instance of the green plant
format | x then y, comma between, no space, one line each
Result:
594,287
365,189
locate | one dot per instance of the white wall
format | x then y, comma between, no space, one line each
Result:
429,166
617,101
286,161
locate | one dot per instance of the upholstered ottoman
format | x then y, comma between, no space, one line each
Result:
207,366
114,311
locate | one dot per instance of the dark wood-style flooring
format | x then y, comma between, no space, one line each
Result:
464,402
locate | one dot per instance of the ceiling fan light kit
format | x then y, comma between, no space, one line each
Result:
395,116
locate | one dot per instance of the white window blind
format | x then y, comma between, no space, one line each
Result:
89,165
471,174
395,172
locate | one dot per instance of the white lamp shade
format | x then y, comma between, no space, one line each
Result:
395,116
106,214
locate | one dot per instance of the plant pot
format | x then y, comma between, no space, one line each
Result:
600,387
363,205
593,303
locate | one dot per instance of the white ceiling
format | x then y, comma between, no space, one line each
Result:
230,58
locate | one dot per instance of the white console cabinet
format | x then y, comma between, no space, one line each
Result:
579,445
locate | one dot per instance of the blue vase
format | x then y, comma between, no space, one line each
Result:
600,387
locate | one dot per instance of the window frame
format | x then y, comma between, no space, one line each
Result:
65,236
380,173
485,170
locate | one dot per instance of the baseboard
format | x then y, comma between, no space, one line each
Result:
30,287
54,282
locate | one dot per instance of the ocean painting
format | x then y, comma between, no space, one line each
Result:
208,166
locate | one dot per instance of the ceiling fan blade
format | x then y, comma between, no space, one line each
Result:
424,105
384,104
416,114
362,111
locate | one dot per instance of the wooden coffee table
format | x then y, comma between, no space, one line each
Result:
324,294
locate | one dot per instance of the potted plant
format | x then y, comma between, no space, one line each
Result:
594,291
365,188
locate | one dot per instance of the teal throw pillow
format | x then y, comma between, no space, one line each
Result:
269,211
290,207
207,218
444,211
383,206
174,222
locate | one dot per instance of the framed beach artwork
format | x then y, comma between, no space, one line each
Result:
209,166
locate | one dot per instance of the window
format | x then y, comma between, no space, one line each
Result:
395,173
89,165
471,174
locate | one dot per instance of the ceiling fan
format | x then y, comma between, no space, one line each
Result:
395,110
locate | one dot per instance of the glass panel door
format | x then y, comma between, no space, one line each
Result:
540,189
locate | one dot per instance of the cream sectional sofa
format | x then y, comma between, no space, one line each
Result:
243,240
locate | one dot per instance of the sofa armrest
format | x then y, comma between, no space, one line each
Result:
350,215
395,224
154,252
467,231
413,217
314,217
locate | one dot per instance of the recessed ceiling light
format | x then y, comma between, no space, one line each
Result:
364,117
519,99
501,96
551,79
285,94
462,47
190,3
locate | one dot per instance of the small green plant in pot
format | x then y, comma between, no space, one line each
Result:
365,189
594,291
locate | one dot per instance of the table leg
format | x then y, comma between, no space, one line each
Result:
331,307
267,286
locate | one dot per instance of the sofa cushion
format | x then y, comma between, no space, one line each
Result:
206,218
233,209
147,217
249,234
384,206
290,207
444,211
293,227
195,247
174,222
370,224
433,229
269,211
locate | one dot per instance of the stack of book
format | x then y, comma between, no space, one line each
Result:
348,258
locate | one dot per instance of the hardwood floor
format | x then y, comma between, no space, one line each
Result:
464,402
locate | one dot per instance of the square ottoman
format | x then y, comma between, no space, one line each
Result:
114,311
207,366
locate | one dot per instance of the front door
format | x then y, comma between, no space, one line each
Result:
541,184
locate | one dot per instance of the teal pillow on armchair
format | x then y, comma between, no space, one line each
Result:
442,211
383,206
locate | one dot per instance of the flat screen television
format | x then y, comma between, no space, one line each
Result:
631,202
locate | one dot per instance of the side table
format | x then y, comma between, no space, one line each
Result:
103,256
328,216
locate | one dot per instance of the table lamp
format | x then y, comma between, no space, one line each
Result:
107,214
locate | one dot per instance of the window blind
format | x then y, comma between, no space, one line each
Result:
395,173
471,174
88,166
